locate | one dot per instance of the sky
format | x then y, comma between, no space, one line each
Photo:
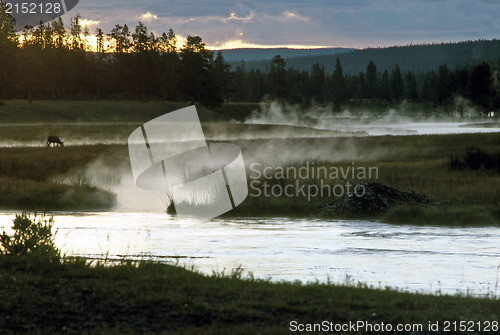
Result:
302,23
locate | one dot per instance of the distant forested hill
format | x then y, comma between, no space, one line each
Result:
251,54
409,58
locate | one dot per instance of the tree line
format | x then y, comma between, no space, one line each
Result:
479,83
54,61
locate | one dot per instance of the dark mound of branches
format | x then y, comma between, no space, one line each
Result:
370,198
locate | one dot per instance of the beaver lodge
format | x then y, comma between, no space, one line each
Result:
372,198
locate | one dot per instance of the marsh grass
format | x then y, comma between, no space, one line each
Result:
309,182
27,179
148,297
31,176
50,111
453,189
417,163
71,133
433,179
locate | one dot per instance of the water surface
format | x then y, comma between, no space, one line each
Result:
410,258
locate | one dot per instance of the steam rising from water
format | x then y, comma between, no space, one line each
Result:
393,121
115,175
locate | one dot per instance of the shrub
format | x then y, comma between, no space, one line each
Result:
32,240
475,159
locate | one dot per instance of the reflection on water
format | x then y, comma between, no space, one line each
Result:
412,128
425,259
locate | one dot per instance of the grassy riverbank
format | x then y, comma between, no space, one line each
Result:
43,178
160,299
95,111
418,163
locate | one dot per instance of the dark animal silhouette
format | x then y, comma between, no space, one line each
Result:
54,140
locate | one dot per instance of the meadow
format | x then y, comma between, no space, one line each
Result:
149,298
42,178
418,163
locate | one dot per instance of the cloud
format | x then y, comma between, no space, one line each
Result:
89,23
238,43
233,16
148,17
293,16
349,23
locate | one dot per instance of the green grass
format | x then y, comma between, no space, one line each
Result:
146,297
475,193
71,133
239,110
444,215
49,111
419,163
47,178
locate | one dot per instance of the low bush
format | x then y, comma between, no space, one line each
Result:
32,242
475,159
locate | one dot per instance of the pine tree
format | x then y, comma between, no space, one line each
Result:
76,32
169,66
8,52
411,87
385,90
481,90
197,73
318,83
222,72
278,87
338,86
121,38
371,80
397,85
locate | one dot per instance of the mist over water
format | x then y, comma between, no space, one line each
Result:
393,121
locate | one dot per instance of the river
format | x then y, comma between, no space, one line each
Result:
410,258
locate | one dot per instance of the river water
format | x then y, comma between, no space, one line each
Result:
410,258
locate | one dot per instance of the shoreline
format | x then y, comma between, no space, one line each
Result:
148,297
